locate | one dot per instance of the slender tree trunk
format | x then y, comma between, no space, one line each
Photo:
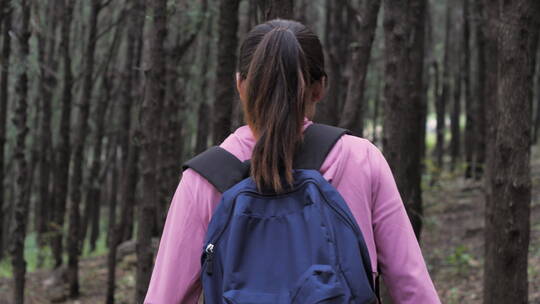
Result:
92,196
537,116
78,157
93,189
112,231
203,127
455,142
352,116
533,49
404,27
489,23
508,222
132,79
4,81
376,107
48,65
97,173
479,108
470,142
272,9
337,41
64,146
442,101
226,67
151,110
18,230
426,83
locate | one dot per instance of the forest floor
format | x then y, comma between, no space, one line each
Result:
453,237
452,243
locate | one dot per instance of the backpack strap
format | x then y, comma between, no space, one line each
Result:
319,139
223,170
220,167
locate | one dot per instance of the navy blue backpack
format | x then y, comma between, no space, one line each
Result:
301,246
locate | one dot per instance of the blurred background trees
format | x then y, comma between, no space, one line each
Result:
101,101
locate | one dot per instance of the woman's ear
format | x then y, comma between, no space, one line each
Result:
241,87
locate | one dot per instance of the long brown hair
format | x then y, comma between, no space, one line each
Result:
278,60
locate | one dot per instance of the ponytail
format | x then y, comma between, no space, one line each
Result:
276,77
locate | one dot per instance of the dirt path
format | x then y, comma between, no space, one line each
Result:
452,242
453,238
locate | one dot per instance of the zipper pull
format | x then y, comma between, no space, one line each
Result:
209,259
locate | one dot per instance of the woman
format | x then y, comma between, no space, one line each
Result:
280,79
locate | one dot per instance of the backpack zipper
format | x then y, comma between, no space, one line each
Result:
209,258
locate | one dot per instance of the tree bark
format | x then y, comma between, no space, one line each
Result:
131,80
48,66
272,9
535,36
404,22
376,107
18,230
63,149
443,98
4,82
226,67
352,116
479,109
78,156
508,222
470,121
337,41
455,141
113,233
537,116
489,24
203,127
151,111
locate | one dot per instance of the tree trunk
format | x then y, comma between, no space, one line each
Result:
489,22
150,112
470,121
48,65
533,46
376,107
537,116
18,230
352,116
404,24
479,109
203,127
113,232
63,150
78,157
128,186
508,222
4,81
443,98
455,141
131,80
97,175
226,67
272,9
337,41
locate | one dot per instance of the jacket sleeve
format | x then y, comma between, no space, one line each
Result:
176,275
400,259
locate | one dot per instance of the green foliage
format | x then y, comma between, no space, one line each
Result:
30,255
32,252
460,259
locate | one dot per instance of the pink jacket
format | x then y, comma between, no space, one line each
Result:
355,167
